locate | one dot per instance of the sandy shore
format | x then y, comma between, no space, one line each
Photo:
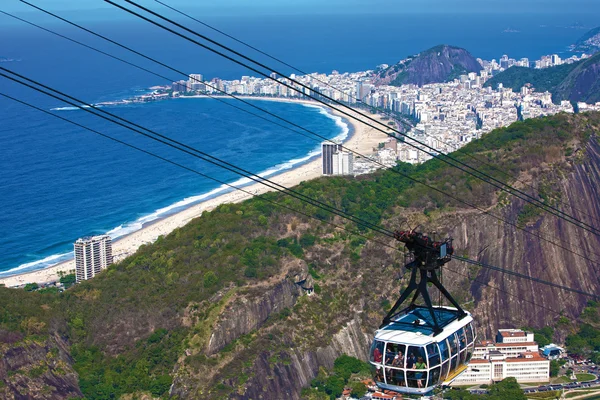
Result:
364,140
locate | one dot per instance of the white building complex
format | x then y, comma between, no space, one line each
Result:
92,255
515,354
336,161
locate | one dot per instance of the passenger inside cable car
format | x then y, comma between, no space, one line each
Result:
426,362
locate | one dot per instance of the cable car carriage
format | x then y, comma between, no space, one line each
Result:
422,346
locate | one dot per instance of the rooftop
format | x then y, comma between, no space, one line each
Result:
405,328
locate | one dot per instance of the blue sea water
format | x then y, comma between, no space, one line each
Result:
59,182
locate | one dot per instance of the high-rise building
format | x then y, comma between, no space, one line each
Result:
343,163
92,255
328,150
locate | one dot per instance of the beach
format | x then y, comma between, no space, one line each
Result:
363,140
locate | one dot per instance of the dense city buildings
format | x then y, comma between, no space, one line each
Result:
444,116
514,354
92,255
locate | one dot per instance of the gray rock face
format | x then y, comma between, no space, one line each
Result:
38,371
247,313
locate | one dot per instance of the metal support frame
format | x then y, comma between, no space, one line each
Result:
428,257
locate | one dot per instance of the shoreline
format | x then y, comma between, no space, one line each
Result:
360,138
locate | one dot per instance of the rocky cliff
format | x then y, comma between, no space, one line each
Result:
36,369
439,64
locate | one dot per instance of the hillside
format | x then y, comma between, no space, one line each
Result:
220,308
543,79
589,43
441,63
579,81
582,83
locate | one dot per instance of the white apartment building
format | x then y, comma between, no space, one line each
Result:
343,163
92,255
515,354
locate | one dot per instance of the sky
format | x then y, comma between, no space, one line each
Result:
227,7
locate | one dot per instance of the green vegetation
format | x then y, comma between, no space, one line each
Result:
543,336
508,389
30,287
68,280
330,384
543,80
153,313
555,394
585,377
586,341
555,366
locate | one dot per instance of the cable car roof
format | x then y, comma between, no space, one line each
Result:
404,330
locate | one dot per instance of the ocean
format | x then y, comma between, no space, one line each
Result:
59,182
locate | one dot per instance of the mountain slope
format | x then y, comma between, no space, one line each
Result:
441,63
543,79
582,83
220,308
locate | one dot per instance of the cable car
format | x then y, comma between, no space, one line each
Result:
422,346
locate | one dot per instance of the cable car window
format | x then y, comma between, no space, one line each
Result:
444,350
453,344
469,331
377,351
461,339
416,379
433,355
395,377
454,363
463,356
445,367
394,354
434,377
377,373
469,354
413,355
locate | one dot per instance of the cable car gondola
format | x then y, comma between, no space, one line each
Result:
422,346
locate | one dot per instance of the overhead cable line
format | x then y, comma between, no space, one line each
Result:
506,292
246,191
99,112
461,150
223,164
520,275
436,154
296,125
195,171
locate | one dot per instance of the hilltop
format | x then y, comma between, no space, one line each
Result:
441,63
220,308
579,81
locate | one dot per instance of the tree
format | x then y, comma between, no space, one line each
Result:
506,389
68,280
554,368
210,279
30,287
358,389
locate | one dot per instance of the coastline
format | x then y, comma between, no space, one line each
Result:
361,138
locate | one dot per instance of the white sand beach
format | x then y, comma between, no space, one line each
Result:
364,140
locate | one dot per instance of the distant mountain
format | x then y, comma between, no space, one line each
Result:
579,81
582,83
441,63
590,42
